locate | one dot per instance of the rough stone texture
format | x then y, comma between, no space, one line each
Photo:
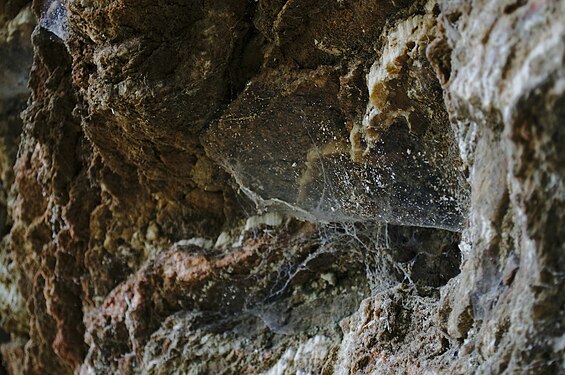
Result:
507,100
16,53
282,187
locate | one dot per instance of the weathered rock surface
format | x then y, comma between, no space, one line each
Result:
282,186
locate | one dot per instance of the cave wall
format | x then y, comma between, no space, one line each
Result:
282,187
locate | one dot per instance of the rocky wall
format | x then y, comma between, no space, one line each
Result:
282,186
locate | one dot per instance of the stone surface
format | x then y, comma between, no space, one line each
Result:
16,55
282,187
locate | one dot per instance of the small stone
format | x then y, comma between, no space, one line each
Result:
329,277
152,232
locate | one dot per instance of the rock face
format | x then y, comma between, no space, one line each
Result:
282,187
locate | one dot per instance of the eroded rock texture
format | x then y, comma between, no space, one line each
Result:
282,187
